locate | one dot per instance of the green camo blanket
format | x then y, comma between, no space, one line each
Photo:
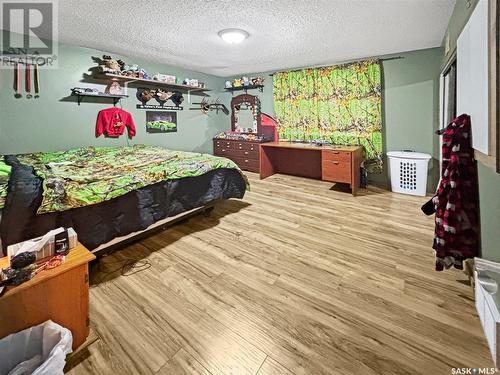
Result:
4,181
90,175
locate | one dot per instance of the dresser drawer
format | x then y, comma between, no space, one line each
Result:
247,146
248,154
336,155
222,150
222,143
243,154
336,171
246,164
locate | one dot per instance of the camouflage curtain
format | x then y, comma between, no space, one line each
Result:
339,103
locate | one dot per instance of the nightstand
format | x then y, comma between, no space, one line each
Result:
60,294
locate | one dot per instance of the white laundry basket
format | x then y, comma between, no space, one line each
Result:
408,171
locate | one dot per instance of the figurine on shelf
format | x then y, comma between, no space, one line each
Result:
133,70
190,82
164,78
109,65
228,85
143,74
160,77
257,81
84,90
123,65
237,82
245,81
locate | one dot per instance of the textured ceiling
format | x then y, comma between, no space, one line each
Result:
283,33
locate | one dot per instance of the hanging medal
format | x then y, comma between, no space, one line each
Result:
17,81
37,81
27,82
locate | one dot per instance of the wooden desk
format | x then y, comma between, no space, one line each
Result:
60,294
328,163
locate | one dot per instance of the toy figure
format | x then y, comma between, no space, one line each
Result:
160,77
123,65
245,81
228,84
109,65
257,80
143,74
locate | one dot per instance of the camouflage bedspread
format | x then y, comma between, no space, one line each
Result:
4,181
90,175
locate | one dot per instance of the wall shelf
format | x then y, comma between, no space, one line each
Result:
172,86
115,98
245,88
151,82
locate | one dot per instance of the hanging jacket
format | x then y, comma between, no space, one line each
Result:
112,122
456,201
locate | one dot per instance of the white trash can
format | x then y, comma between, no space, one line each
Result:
408,170
39,350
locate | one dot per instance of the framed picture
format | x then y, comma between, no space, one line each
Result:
161,122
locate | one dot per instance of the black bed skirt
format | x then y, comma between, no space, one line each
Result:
100,223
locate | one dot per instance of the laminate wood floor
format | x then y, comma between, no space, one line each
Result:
294,279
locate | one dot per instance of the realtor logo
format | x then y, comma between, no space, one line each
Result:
29,32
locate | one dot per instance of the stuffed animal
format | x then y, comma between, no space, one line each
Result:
245,81
143,74
257,80
228,84
123,65
145,95
109,65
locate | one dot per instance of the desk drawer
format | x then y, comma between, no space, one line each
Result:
336,171
336,155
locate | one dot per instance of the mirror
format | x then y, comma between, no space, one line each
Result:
245,114
244,121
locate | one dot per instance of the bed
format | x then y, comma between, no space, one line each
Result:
106,193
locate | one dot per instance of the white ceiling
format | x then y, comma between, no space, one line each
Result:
283,33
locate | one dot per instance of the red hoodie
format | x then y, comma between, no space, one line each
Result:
112,122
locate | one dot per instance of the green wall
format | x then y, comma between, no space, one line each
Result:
53,123
489,180
410,106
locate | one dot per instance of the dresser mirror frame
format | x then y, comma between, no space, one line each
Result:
251,100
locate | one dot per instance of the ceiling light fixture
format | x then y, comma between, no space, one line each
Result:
233,36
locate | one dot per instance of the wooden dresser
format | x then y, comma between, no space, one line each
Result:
60,294
328,163
243,153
